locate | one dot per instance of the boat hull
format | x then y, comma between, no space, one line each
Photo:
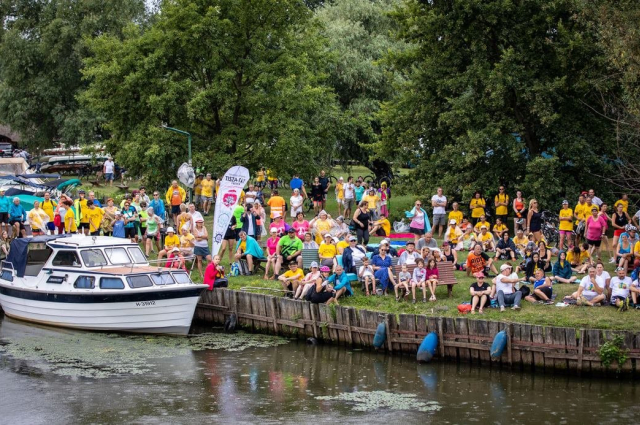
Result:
153,312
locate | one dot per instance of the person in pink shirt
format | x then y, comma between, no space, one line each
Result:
301,225
596,227
272,256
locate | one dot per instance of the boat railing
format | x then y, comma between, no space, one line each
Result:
157,262
8,263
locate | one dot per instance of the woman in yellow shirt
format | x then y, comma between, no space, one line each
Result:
477,206
566,224
322,224
327,252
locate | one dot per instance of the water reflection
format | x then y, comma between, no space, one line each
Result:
281,384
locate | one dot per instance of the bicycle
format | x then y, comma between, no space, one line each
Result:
550,226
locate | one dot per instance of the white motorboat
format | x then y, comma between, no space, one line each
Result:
95,283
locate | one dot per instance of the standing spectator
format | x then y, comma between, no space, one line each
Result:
624,201
175,196
359,191
580,213
419,221
619,219
317,195
340,194
501,203
361,219
594,199
5,204
520,212
349,196
206,193
373,200
251,195
197,190
477,207
325,185
566,224
276,204
534,218
296,201
107,170
385,194
297,183
456,214
17,217
595,230
81,220
158,205
439,204
38,219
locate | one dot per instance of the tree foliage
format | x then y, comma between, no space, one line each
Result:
245,77
42,47
494,88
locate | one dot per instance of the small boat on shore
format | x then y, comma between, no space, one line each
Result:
95,283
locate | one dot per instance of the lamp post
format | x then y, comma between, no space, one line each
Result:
184,133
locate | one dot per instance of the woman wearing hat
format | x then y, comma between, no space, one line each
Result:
453,235
321,225
171,241
307,282
322,292
278,224
327,252
480,293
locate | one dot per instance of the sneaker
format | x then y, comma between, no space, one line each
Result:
612,260
515,307
424,300
414,301
502,309
549,302
397,299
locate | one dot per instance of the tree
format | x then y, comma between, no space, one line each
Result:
244,77
359,34
42,47
492,87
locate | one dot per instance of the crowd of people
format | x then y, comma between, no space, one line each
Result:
167,224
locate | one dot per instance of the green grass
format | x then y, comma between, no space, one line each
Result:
572,316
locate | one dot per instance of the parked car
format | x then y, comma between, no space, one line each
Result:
6,149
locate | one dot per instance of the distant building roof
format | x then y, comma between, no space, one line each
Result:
6,131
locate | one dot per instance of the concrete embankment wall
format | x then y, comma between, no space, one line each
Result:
530,347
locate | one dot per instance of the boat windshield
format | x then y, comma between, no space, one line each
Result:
93,257
117,255
137,255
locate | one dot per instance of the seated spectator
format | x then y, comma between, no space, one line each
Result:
450,255
342,285
505,288
171,241
291,279
506,249
307,282
322,225
409,256
381,227
342,245
499,228
468,239
308,242
382,268
481,222
279,224
579,258
532,266
214,274
390,250
562,272
186,241
352,254
419,280
433,274
486,239
301,226
327,252
479,262
322,292
480,292
520,241
623,252
365,274
427,240
545,255
591,289
404,282
620,289
542,288
247,248
341,230
289,249
453,235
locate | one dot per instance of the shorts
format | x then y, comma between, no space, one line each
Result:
416,231
36,232
96,233
348,203
83,226
339,201
175,209
12,222
594,243
616,298
4,218
230,234
154,236
201,251
286,262
589,297
206,198
618,232
51,226
130,232
566,232
439,219
380,232
197,199
108,177
547,290
143,232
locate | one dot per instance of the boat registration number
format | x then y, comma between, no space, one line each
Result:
145,303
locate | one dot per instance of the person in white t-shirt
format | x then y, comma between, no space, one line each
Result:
504,288
439,204
604,278
107,170
591,289
620,286
349,196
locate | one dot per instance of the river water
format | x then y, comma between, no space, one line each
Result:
50,376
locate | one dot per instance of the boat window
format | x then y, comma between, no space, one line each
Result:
139,281
66,258
137,255
93,257
37,255
181,278
6,275
117,255
162,279
111,283
85,282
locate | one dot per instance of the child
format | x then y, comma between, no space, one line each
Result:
404,278
118,226
432,278
366,275
580,258
419,279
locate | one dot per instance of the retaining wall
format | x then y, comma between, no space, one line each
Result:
460,339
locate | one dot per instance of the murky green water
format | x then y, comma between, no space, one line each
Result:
59,376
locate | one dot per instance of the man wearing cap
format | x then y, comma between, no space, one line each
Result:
175,196
107,170
5,204
428,241
352,254
566,224
620,289
409,256
291,279
439,204
504,288
478,261
453,235
171,240
289,249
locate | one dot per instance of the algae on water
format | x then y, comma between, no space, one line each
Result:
99,355
366,401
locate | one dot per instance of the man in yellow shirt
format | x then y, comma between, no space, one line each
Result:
456,214
520,241
175,196
291,278
197,190
381,227
453,235
49,206
482,221
624,201
580,213
486,239
501,202
565,227
93,216
81,204
70,225
170,241
499,228
206,194
340,195
276,204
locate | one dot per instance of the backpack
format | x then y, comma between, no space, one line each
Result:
234,270
525,290
244,267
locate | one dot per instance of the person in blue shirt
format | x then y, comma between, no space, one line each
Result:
158,205
17,217
359,191
118,226
341,284
130,214
92,197
297,183
5,203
